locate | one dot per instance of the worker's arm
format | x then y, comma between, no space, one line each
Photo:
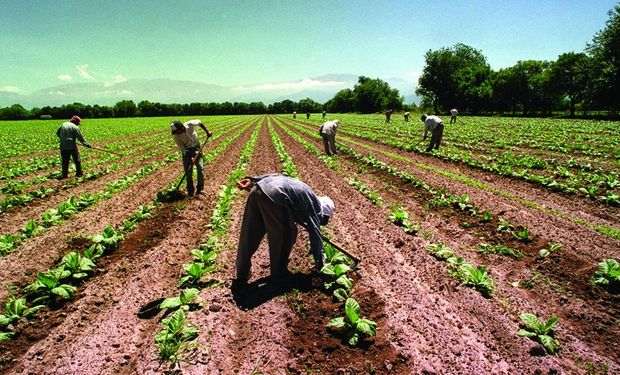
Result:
79,137
426,127
209,134
316,242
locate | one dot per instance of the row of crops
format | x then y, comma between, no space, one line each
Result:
142,148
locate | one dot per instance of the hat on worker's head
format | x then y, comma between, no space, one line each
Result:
175,125
423,117
327,206
76,120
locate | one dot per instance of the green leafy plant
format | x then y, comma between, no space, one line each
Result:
15,309
485,248
352,325
505,226
522,233
194,273
475,277
79,266
440,251
48,286
31,229
109,238
400,217
337,280
551,247
7,243
541,332
334,256
187,300
174,340
608,275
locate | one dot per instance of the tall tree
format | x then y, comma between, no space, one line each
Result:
605,50
455,77
342,102
374,95
569,75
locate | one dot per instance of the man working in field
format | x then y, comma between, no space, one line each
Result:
186,138
328,132
453,113
276,202
67,134
435,125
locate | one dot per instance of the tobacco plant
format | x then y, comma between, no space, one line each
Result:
485,248
48,286
15,309
187,300
194,273
352,325
175,338
541,332
338,281
475,277
79,266
400,217
440,251
551,247
608,275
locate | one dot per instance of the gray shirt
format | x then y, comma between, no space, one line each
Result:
67,134
431,123
301,202
329,128
189,139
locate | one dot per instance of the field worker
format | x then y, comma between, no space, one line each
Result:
324,114
276,202
388,114
186,138
294,114
307,115
435,125
406,116
453,113
67,134
328,133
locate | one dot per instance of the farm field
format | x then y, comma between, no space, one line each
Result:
510,216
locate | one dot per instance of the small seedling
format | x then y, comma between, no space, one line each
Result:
541,332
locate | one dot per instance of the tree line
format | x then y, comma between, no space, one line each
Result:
367,96
586,81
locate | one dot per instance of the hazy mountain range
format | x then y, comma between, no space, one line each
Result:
320,89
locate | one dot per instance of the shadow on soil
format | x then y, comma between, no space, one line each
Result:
262,290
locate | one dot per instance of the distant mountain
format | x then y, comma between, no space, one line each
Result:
321,89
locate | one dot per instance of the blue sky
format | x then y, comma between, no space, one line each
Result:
244,43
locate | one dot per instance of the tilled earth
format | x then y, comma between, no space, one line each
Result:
427,321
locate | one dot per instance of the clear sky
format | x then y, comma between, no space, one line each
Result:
46,43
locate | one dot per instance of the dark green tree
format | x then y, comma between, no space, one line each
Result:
125,108
342,102
455,77
569,76
605,50
375,95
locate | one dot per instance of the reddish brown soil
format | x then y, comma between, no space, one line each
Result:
427,321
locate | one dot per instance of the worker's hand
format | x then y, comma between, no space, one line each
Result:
209,134
244,184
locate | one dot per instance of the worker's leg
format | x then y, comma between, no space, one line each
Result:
75,154
189,172
252,232
326,144
281,234
200,164
438,135
332,144
65,157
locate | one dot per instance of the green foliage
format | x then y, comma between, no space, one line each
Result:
352,325
440,251
15,309
541,332
337,280
608,274
485,248
175,338
475,277
108,239
78,265
48,286
188,299
400,217
375,95
551,247
194,274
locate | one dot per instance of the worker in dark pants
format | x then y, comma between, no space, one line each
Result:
276,202
67,134
328,133
435,125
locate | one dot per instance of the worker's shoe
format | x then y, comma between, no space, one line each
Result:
239,285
